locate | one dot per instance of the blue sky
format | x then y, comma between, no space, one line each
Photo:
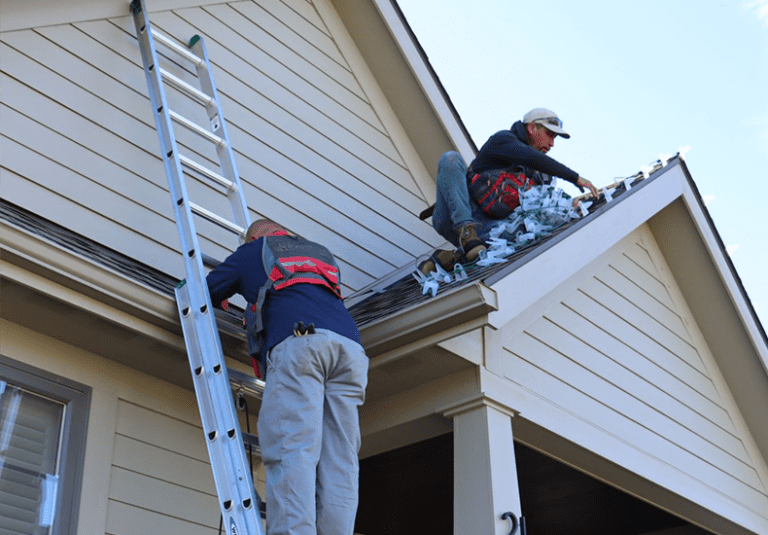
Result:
631,81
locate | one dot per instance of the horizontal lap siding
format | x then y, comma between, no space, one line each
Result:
95,154
616,354
124,519
309,146
160,475
281,133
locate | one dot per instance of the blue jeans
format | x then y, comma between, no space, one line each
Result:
309,433
453,206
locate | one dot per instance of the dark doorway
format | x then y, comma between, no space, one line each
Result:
409,491
559,500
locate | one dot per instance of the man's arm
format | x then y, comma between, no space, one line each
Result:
503,149
224,281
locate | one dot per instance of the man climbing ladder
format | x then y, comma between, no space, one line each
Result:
316,372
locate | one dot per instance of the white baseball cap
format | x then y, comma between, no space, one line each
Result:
548,119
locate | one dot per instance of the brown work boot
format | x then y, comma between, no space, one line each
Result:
445,259
470,242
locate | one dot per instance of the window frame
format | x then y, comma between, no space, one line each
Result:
77,399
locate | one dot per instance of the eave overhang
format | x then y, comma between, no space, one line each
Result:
444,315
27,259
99,303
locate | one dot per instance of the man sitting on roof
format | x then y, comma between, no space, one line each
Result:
461,213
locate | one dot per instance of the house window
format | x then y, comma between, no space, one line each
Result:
42,438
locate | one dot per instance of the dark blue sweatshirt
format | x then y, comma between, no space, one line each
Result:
510,147
243,273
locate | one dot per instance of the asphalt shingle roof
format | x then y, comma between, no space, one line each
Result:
85,247
399,295
407,292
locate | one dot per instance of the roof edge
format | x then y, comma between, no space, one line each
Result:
435,317
34,253
725,258
561,257
497,276
395,16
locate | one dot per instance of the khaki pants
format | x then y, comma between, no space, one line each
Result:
309,432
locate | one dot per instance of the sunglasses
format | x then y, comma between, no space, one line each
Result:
554,121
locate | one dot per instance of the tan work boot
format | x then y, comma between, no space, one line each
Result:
470,242
445,259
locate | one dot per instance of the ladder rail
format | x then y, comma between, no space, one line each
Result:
237,500
219,135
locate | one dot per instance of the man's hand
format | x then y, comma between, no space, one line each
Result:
584,183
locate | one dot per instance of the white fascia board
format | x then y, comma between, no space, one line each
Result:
538,276
726,272
429,85
430,321
51,270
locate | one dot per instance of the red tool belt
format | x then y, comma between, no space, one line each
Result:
498,191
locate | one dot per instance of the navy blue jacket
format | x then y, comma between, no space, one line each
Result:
243,273
510,147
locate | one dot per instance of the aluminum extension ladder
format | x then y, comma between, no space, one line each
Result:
238,499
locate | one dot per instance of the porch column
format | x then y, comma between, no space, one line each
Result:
484,471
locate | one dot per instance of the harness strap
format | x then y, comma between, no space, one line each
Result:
257,307
305,270
288,261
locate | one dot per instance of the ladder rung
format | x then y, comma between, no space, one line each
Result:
207,172
249,385
213,218
251,440
180,84
199,130
172,45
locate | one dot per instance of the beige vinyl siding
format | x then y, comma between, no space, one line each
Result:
617,355
146,464
159,469
161,475
79,144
